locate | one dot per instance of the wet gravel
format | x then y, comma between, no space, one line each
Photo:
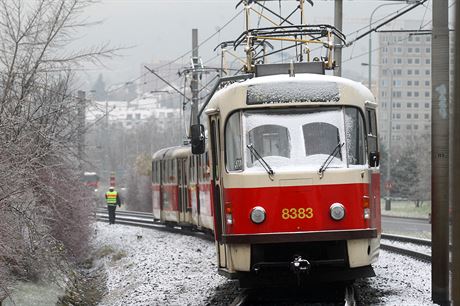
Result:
149,267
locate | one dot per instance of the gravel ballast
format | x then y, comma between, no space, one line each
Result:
150,267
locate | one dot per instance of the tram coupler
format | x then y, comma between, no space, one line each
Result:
300,265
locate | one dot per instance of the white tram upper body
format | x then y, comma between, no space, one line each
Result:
295,177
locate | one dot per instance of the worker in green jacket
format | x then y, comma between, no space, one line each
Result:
113,199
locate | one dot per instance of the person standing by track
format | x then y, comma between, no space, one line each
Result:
113,199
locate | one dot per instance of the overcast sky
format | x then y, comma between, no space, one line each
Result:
161,29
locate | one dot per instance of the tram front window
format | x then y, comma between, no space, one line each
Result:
289,139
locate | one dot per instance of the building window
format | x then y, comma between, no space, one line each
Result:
427,61
427,116
408,127
416,94
416,105
409,71
409,61
409,83
427,127
409,50
398,116
398,105
427,94
415,116
427,105
417,38
409,116
427,72
427,83
417,61
398,127
428,50
428,38
138,116
416,72
409,104
409,93
415,126
416,83
129,116
417,50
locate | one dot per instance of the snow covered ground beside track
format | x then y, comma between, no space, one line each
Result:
159,268
150,267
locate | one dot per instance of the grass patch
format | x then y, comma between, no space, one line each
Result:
119,255
404,208
104,251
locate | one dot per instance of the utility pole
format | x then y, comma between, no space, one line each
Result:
440,152
81,109
195,76
456,171
338,23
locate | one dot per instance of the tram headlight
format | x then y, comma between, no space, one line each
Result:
337,211
258,215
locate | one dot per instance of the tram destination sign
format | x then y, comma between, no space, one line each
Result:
290,92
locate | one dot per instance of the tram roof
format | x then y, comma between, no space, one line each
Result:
298,90
172,152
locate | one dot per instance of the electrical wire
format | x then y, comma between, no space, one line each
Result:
179,57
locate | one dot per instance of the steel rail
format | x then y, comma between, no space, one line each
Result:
417,241
145,220
410,253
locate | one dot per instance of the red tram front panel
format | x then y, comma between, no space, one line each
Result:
297,208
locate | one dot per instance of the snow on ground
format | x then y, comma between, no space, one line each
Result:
151,267
160,268
399,281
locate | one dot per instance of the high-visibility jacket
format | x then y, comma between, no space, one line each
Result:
111,197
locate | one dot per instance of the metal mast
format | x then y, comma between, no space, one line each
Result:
440,152
196,66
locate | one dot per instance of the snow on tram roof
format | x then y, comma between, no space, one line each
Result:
172,152
305,87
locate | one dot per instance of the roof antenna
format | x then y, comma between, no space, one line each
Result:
291,69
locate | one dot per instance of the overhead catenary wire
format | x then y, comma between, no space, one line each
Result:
124,84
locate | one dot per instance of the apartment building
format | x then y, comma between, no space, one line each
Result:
404,91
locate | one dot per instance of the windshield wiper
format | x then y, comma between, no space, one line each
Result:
329,159
261,160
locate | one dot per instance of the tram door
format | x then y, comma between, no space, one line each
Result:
217,185
182,182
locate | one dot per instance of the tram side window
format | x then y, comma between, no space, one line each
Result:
233,151
207,169
154,172
158,172
163,171
191,169
321,138
173,171
270,140
354,131
372,130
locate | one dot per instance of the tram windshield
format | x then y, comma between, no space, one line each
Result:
293,138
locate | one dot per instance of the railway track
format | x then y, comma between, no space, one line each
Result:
142,219
251,297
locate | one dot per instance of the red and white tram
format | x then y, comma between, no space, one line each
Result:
181,189
294,177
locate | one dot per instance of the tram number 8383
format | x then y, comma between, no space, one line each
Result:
297,213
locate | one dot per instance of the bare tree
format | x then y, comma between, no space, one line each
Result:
43,209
